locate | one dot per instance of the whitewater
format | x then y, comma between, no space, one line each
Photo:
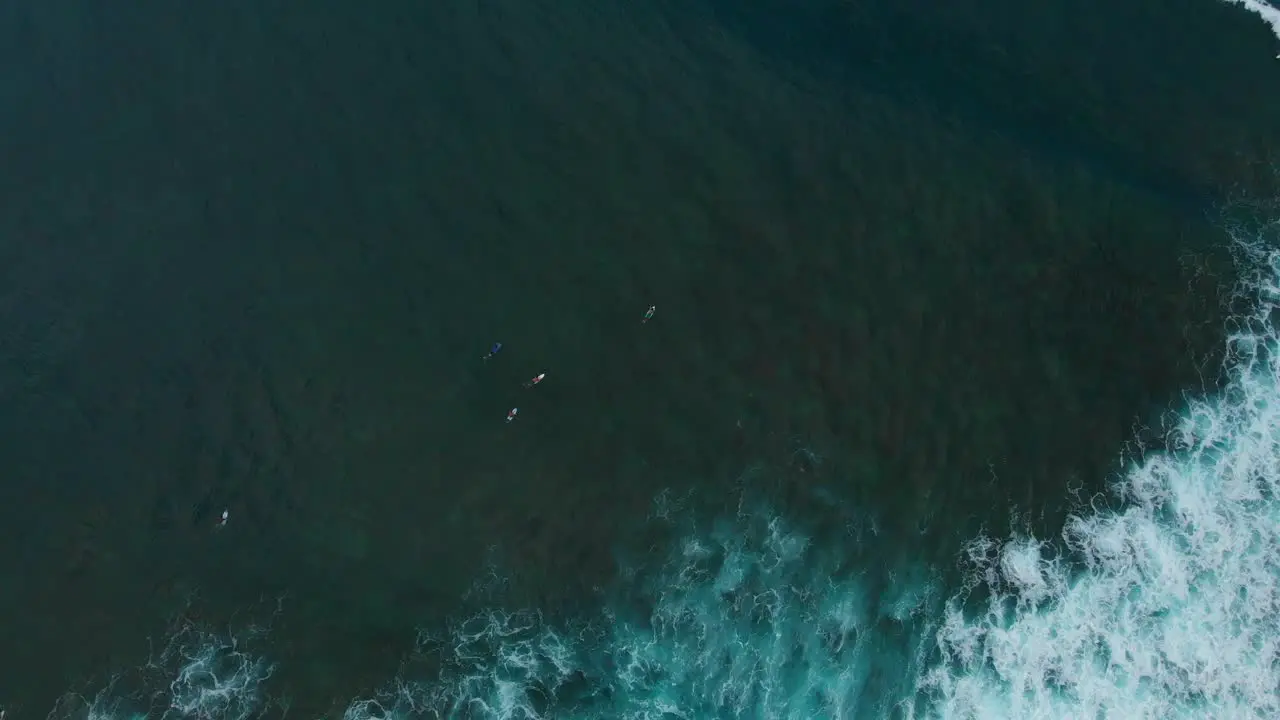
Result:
1263,9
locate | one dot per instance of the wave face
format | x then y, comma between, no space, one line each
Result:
1159,600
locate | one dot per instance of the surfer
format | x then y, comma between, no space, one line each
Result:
535,381
492,351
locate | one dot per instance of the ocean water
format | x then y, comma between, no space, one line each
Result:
959,399
1158,600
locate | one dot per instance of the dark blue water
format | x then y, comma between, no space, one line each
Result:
919,274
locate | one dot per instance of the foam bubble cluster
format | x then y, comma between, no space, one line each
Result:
199,674
215,678
1263,9
1171,607
749,618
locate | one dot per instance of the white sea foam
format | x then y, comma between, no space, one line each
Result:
199,674
1173,608
1268,12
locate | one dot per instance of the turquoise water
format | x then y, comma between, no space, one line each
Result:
957,399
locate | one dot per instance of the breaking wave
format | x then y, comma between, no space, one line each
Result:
1263,9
